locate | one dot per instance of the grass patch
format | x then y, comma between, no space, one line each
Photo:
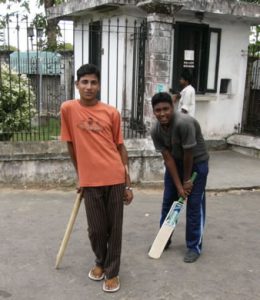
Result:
47,129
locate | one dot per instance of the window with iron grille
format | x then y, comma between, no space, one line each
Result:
196,49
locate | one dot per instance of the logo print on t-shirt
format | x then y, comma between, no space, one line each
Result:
90,125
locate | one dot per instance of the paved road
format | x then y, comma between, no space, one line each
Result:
32,224
229,170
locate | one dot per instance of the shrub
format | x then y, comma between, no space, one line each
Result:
17,101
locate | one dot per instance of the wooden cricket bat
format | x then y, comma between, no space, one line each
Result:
168,226
69,229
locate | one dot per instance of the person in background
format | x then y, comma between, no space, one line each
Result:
184,109
187,95
184,101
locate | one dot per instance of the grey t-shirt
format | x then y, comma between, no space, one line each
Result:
183,133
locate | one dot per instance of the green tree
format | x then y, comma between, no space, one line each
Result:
258,34
50,27
17,101
65,47
8,48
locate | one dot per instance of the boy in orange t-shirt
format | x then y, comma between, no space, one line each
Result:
93,134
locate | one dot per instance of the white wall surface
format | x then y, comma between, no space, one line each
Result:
116,60
219,116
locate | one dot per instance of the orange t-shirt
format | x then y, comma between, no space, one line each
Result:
95,132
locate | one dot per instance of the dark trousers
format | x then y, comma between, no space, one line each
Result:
104,209
196,203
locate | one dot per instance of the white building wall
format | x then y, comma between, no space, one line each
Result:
219,117
219,113
116,60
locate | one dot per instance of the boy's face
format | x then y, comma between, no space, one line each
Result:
163,112
88,87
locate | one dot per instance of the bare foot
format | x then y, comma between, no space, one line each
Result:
96,273
111,285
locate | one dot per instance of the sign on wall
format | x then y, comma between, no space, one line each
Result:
160,87
188,59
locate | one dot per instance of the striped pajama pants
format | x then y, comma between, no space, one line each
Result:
104,209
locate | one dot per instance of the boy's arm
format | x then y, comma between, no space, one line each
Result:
171,167
72,155
187,169
124,157
74,160
187,164
188,141
66,136
192,103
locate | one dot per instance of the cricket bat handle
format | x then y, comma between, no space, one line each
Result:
193,177
69,229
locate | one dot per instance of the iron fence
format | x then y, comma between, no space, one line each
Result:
118,47
34,81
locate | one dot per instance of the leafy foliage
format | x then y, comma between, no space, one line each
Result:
50,27
8,48
64,47
16,103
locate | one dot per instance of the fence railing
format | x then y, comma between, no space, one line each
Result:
34,81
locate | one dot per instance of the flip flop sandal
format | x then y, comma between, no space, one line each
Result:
95,278
115,289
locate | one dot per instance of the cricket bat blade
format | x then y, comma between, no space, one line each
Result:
168,226
166,230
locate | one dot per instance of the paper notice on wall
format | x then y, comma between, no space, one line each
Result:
160,87
189,55
188,59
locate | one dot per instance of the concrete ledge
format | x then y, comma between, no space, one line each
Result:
44,164
216,145
206,97
248,11
32,150
245,144
74,8
47,164
244,140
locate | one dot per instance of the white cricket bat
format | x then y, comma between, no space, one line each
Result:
168,226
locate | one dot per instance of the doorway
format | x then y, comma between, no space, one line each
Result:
191,52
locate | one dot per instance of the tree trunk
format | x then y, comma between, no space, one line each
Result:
51,29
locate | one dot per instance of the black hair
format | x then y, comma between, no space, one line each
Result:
186,75
88,69
161,97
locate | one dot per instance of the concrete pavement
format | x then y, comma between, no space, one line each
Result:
231,170
32,224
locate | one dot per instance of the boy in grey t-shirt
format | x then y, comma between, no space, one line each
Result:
178,137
